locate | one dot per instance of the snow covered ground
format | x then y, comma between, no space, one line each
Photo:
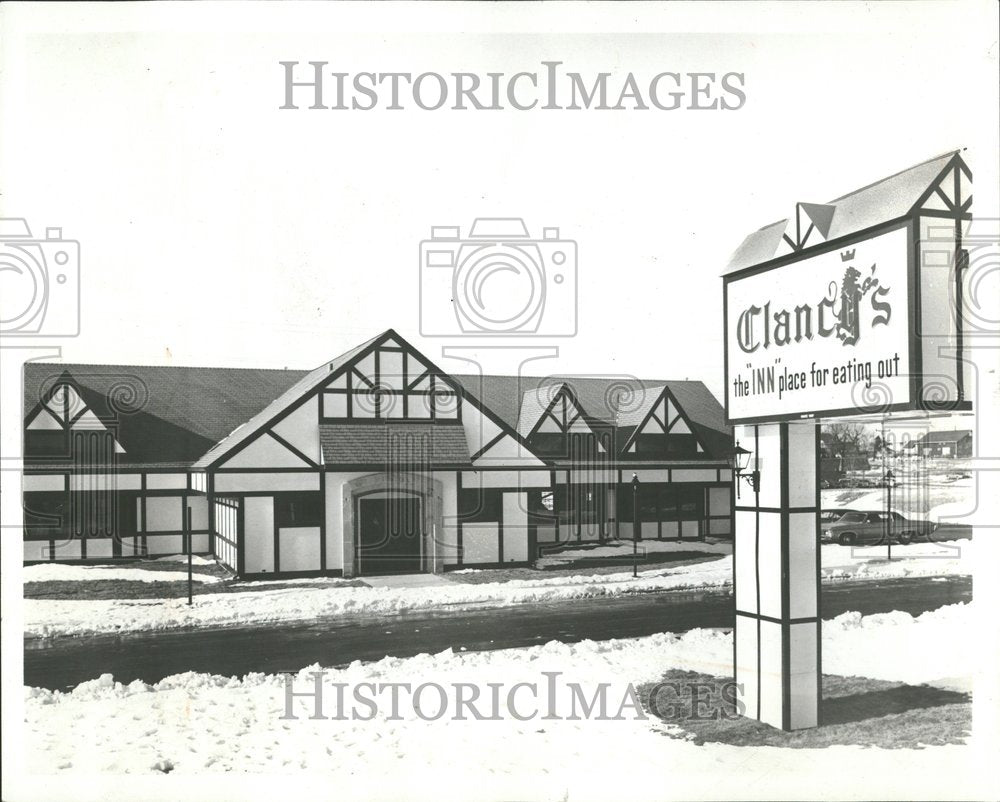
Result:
320,598
937,495
949,558
59,572
194,723
47,617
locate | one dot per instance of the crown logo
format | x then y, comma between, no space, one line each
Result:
846,256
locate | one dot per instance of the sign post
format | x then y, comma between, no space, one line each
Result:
852,308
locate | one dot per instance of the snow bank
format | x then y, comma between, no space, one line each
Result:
48,617
60,572
196,559
932,648
317,598
195,723
623,548
949,558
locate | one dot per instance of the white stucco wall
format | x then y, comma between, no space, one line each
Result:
335,517
447,539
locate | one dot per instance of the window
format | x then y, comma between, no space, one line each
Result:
652,499
651,444
690,503
660,501
46,515
478,505
46,444
679,445
298,509
541,507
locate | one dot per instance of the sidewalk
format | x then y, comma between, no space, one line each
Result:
407,581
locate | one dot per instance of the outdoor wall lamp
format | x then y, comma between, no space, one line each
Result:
739,461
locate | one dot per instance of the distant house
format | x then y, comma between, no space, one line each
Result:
953,443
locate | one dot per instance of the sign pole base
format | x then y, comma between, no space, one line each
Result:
776,568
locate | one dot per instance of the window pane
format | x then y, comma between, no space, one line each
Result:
46,444
651,443
649,497
478,505
45,515
298,509
682,444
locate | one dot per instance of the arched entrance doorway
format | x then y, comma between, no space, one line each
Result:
391,521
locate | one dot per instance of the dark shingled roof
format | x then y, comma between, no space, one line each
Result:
615,402
191,416
165,415
306,381
946,436
399,443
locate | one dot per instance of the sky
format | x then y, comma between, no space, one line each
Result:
218,229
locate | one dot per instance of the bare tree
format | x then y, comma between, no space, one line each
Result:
852,438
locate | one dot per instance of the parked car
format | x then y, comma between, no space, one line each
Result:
857,481
858,528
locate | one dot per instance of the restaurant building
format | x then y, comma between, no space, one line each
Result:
375,462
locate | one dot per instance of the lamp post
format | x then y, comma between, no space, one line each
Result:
190,550
889,477
635,526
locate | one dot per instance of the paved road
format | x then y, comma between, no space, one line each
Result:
65,662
